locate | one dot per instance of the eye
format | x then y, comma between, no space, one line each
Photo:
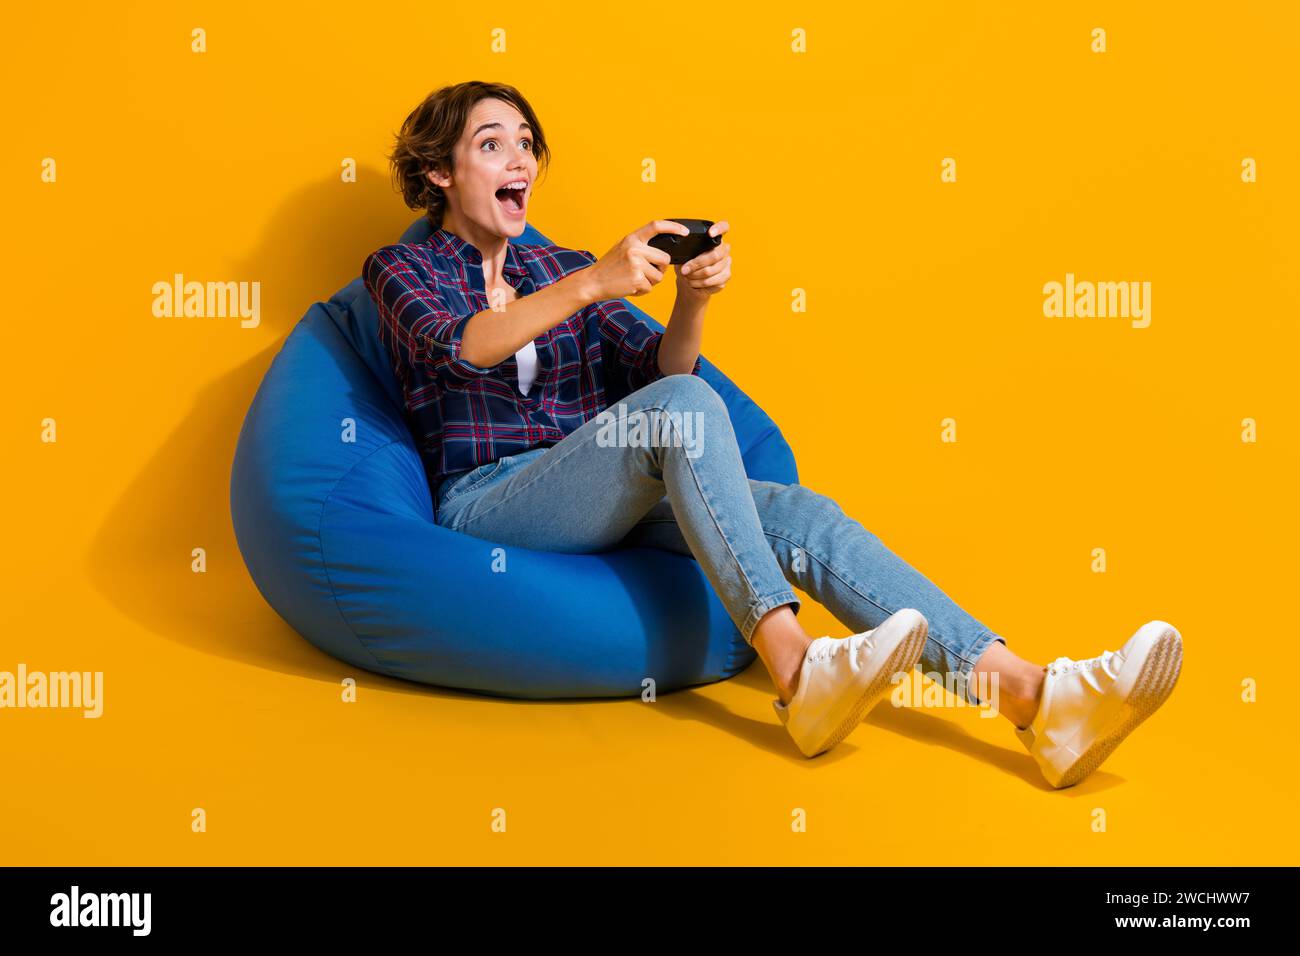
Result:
525,140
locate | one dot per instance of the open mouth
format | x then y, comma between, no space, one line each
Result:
512,199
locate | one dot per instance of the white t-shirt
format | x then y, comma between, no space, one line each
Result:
527,359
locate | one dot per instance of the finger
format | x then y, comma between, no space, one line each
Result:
718,228
656,226
718,280
652,272
704,271
660,257
708,258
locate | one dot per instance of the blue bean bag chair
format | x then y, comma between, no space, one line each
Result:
339,537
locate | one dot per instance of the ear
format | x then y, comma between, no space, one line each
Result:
436,177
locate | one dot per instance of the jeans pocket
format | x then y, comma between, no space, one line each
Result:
473,479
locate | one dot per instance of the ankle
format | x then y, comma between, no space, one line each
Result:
789,670
781,644
1020,704
1021,713
785,666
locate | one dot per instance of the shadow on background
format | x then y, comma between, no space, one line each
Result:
140,557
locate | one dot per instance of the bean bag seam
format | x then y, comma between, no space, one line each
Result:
320,545
350,306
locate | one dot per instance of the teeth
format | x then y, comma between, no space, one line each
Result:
517,184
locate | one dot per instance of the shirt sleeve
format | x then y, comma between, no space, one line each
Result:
629,347
414,323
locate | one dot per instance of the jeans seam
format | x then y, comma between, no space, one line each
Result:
530,483
455,491
931,634
786,596
749,585
735,560
987,638
823,562
761,607
964,664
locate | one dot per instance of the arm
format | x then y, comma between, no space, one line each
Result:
419,329
491,341
631,349
635,354
677,349
680,349
697,282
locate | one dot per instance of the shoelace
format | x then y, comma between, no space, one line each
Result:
838,647
1065,665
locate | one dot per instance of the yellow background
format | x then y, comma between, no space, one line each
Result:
925,302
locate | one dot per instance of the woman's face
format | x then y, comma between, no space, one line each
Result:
495,150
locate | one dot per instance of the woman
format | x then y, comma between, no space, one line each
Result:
513,361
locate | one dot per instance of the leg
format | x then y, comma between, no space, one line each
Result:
1091,705
1020,683
587,491
1070,715
848,570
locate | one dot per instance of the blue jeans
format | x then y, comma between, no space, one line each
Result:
662,470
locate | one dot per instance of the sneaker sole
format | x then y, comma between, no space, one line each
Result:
902,658
1154,683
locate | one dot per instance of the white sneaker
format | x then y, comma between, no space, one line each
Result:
1088,707
842,677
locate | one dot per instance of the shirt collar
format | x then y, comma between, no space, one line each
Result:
449,244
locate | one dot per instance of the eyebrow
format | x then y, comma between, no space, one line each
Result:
522,126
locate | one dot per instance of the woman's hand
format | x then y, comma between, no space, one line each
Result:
707,274
633,266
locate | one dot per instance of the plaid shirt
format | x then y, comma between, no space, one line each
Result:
464,415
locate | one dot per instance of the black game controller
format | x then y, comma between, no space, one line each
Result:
685,248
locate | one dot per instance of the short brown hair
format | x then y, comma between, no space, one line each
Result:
429,135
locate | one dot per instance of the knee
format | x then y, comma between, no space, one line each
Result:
795,510
821,521
814,502
686,392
